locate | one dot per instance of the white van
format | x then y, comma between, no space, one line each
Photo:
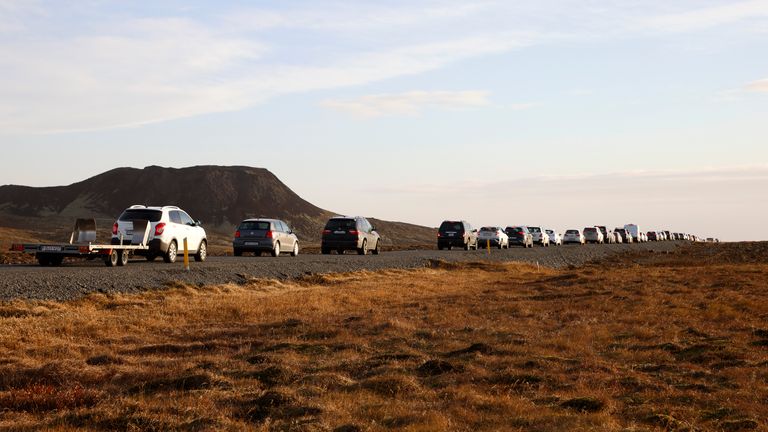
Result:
634,231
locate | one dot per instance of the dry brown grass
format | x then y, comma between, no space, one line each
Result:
671,344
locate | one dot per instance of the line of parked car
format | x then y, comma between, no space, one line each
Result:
461,234
169,226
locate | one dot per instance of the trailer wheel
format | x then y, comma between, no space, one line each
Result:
112,259
43,260
122,258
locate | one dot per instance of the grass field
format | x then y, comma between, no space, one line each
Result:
673,341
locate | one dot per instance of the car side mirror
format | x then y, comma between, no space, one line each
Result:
198,223
373,228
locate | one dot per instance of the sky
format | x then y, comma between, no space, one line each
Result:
557,113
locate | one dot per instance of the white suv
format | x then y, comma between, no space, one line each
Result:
168,227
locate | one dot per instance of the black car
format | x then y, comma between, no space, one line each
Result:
519,235
344,233
456,234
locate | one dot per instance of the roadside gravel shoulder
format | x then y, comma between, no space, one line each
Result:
76,279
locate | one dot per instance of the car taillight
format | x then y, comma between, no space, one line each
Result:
326,231
520,232
269,234
159,228
353,232
237,234
16,247
114,229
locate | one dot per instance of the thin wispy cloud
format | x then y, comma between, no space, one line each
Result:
760,86
102,69
706,17
408,103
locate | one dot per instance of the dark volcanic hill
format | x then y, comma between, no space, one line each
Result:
219,196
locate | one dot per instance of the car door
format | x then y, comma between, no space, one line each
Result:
289,235
192,231
286,240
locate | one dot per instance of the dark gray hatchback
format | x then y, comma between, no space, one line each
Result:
343,233
265,235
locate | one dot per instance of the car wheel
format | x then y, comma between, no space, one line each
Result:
377,249
172,253
340,251
295,251
276,250
44,260
237,252
325,251
364,249
202,251
439,247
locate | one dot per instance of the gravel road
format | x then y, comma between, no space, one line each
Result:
78,278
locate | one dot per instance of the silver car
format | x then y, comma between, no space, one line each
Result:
539,236
493,236
265,235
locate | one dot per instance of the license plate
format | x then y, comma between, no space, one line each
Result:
339,232
50,248
251,243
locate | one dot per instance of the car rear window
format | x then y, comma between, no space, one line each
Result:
591,230
572,232
340,224
550,232
141,214
255,226
488,229
534,229
451,226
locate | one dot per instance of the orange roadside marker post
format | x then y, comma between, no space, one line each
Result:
186,255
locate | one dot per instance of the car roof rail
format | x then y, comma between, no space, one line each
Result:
135,206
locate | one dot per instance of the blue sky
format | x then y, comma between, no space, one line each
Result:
560,113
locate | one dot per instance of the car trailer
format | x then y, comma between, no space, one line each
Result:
82,244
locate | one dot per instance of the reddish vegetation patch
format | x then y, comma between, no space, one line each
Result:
643,341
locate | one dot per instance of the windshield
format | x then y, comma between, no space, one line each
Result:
534,229
255,226
141,214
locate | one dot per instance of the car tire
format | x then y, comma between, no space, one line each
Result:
340,251
377,249
449,247
325,251
237,252
364,249
44,260
172,253
295,251
202,251
276,250
112,259
439,247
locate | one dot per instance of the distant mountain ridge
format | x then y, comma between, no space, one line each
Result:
220,196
